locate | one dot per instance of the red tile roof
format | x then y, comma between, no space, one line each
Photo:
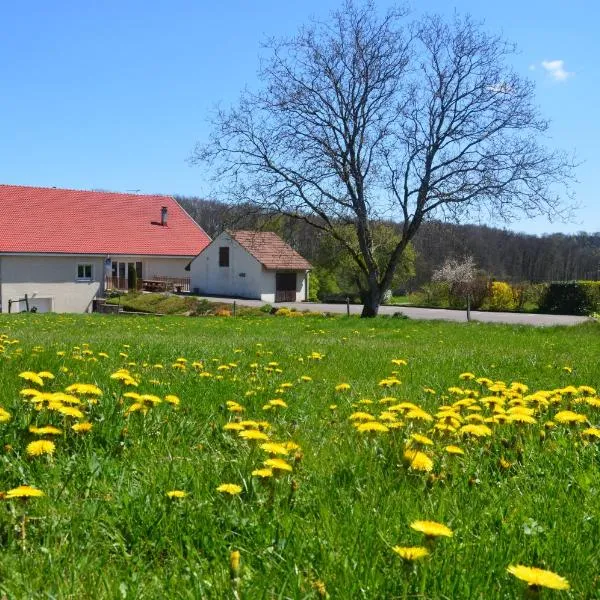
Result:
49,220
270,250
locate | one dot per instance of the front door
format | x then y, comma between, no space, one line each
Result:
285,287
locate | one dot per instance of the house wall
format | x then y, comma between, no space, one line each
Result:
242,278
50,282
164,267
211,279
268,286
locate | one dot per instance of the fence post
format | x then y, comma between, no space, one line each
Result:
26,302
234,308
347,306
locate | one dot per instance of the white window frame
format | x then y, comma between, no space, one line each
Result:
84,278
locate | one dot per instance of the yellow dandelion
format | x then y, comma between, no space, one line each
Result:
368,426
535,577
421,439
40,447
253,434
262,473
277,464
45,430
70,411
475,430
84,389
274,448
361,416
82,427
230,488
454,450
4,416
23,491
31,376
342,387
233,427
411,552
591,433
171,399
176,494
418,461
568,417
466,376
431,528
277,402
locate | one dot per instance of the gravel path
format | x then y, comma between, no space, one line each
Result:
426,313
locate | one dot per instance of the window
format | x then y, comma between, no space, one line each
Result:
84,272
224,256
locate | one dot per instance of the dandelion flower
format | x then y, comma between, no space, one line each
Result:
262,473
418,461
591,433
171,399
538,577
454,450
466,376
568,417
82,427
70,411
23,491
431,528
233,427
40,447
31,376
476,430
411,552
45,375
342,387
253,434
46,430
274,448
175,494
277,464
4,416
230,488
368,426
421,439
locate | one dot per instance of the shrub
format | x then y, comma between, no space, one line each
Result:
313,287
571,298
266,308
501,296
283,312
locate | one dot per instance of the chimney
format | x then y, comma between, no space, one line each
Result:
164,213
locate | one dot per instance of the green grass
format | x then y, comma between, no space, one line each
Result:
105,528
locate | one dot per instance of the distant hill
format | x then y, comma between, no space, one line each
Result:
505,255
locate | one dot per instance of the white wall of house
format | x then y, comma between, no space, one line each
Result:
245,277
242,278
50,282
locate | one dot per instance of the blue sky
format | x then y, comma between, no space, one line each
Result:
114,94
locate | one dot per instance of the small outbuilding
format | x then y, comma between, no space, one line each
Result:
251,264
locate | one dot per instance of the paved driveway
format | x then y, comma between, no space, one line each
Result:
426,313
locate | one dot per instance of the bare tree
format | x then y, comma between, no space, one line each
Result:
363,118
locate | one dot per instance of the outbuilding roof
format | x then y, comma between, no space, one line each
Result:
270,250
51,220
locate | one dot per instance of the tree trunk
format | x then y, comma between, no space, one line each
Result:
372,300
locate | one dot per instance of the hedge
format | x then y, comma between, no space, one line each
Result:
571,298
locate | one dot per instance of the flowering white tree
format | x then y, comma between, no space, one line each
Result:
460,275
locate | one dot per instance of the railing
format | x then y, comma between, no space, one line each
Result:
157,283
170,284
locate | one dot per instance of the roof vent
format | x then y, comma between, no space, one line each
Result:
164,214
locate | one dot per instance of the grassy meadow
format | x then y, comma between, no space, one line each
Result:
347,408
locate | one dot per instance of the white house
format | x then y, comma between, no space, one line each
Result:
63,248
250,264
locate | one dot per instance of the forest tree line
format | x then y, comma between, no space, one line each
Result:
503,255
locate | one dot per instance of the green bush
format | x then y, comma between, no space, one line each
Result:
571,298
313,287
